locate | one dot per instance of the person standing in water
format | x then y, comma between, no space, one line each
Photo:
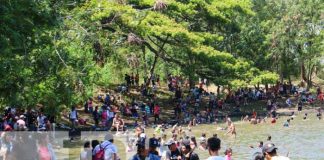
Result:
228,154
319,114
231,128
270,152
300,106
214,145
286,124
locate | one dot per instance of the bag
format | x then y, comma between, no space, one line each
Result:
100,155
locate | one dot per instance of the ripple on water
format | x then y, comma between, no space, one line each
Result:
302,140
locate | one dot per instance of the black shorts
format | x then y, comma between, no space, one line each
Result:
299,108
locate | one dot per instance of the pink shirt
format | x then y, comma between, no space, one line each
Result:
228,157
43,153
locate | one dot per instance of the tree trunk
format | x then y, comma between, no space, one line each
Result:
309,77
289,80
144,60
157,54
218,90
303,71
151,71
191,71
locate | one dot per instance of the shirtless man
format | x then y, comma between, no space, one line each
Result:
254,121
245,119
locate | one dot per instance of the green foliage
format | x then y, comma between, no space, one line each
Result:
237,84
265,77
58,53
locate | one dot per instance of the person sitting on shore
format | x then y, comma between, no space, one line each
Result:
245,119
128,111
321,97
118,123
254,121
310,98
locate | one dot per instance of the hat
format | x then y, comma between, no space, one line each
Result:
109,137
153,142
170,142
22,116
140,146
186,142
268,148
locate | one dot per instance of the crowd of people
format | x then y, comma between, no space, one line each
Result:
190,109
181,146
195,107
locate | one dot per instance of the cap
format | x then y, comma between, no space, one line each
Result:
109,137
170,142
22,116
140,146
186,142
269,147
153,142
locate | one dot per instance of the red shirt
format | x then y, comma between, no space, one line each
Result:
156,109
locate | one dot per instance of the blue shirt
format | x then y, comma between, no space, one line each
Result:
149,157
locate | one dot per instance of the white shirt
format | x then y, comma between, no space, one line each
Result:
215,158
86,154
40,120
110,149
279,158
21,123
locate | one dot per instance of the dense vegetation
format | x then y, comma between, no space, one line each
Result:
56,53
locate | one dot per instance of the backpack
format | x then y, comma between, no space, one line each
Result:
100,155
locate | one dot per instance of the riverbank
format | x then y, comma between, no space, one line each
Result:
166,101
